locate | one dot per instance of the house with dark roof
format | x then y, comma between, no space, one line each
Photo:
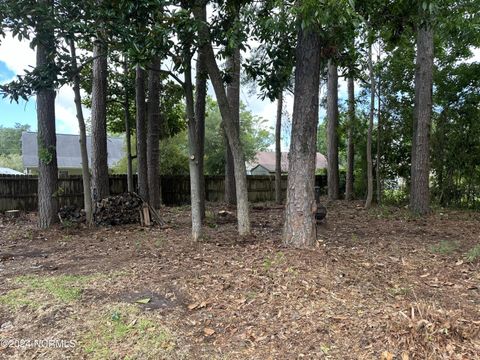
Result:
264,163
69,158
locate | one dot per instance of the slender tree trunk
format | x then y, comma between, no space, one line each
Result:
128,132
332,132
47,139
141,133
350,144
230,193
278,150
419,192
378,166
100,181
87,194
200,104
153,133
195,190
368,202
230,126
233,94
300,208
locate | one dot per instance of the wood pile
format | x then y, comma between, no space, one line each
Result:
119,209
72,214
126,208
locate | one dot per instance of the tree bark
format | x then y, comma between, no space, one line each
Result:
368,201
230,193
128,131
100,181
233,95
378,166
141,133
87,194
419,191
195,190
300,224
200,105
350,142
46,138
228,117
153,133
278,150
332,132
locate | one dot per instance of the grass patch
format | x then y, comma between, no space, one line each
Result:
473,254
399,291
124,332
63,288
18,298
445,247
272,261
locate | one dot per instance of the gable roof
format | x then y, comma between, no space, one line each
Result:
267,160
68,150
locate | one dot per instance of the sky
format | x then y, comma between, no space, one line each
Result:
15,57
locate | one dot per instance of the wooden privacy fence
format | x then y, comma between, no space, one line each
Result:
20,191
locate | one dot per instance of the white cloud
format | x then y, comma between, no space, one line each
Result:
18,56
66,112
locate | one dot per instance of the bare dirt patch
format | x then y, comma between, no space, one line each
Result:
379,284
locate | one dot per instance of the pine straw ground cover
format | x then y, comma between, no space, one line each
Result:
378,285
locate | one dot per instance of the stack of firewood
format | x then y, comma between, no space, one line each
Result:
119,209
127,208
71,213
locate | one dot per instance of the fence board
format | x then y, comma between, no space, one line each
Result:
20,191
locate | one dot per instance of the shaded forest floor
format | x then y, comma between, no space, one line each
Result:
378,285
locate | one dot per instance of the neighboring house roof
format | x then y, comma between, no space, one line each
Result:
8,171
68,150
267,160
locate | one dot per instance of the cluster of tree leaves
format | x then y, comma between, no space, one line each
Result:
10,146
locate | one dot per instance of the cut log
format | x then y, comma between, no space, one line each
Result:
145,215
12,214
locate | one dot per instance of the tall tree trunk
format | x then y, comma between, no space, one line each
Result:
300,224
153,133
47,138
200,105
368,202
332,132
378,166
350,144
141,133
128,131
230,195
278,150
100,181
230,126
195,190
87,194
233,95
419,191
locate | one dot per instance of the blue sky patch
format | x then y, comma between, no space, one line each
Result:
11,112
